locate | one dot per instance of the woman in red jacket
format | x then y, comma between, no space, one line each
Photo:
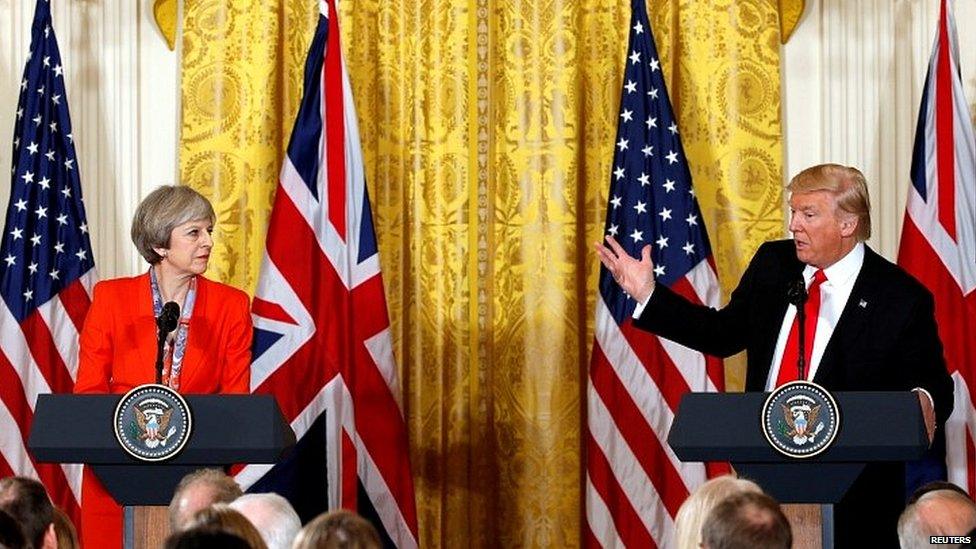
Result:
209,352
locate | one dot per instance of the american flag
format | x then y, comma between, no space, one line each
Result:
938,239
322,340
634,482
47,264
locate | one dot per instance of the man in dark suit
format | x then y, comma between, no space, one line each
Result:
873,327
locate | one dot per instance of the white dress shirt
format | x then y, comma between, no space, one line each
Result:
834,293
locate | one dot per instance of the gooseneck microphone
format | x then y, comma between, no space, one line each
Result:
796,294
169,317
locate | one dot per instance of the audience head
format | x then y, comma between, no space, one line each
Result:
221,517
11,535
205,538
27,502
691,515
945,512
65,531
273,516
933,486
747,521
199,490
338,529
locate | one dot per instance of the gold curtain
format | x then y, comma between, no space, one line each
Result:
488,129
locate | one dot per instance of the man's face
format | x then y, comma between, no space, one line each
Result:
821,233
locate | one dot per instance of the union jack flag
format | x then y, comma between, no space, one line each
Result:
634,482
938,239
46,263
322,340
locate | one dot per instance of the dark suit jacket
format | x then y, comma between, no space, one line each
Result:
885,340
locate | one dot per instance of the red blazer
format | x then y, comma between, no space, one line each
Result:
118,341
118,352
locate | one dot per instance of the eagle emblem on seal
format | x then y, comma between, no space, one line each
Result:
802,421
152,423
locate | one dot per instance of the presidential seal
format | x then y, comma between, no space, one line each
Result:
152,422
800,419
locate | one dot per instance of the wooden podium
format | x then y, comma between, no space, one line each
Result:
227,429
726,427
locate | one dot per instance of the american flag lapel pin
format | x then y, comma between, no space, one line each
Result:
862,304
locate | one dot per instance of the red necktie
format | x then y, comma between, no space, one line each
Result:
787,369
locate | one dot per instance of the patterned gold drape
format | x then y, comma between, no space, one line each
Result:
487,131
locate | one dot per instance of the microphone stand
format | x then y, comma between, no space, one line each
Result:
160,341
797,295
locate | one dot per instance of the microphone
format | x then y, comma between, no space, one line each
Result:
169,317
796,292
797,295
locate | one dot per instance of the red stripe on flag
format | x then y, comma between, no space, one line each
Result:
945,149
45,353
630,528
75,301
589,540
271,311
335,126
638,435
349,473
5,469
13,397
657,362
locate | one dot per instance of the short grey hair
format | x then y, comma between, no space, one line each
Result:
273,516
936,513
159,213
223,489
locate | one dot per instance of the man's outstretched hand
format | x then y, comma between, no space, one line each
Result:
635,277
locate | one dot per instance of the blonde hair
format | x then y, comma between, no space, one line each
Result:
163,210
223,518
339,529
695,509
848,187
65,531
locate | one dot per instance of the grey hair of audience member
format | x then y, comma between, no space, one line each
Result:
747,521
936,513
198,490
273,516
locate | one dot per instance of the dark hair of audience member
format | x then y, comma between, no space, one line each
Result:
222,517
26,501
931,487
205,538
11,535
747,521
65,530
339,529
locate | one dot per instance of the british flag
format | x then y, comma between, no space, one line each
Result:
634,482
322,340
47,265
938,239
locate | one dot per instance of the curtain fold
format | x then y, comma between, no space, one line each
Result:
487,130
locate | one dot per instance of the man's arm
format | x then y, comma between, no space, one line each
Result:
920,355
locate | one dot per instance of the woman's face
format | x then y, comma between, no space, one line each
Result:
189,247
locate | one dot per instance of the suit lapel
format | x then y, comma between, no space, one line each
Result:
857,311
146,322
197,332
